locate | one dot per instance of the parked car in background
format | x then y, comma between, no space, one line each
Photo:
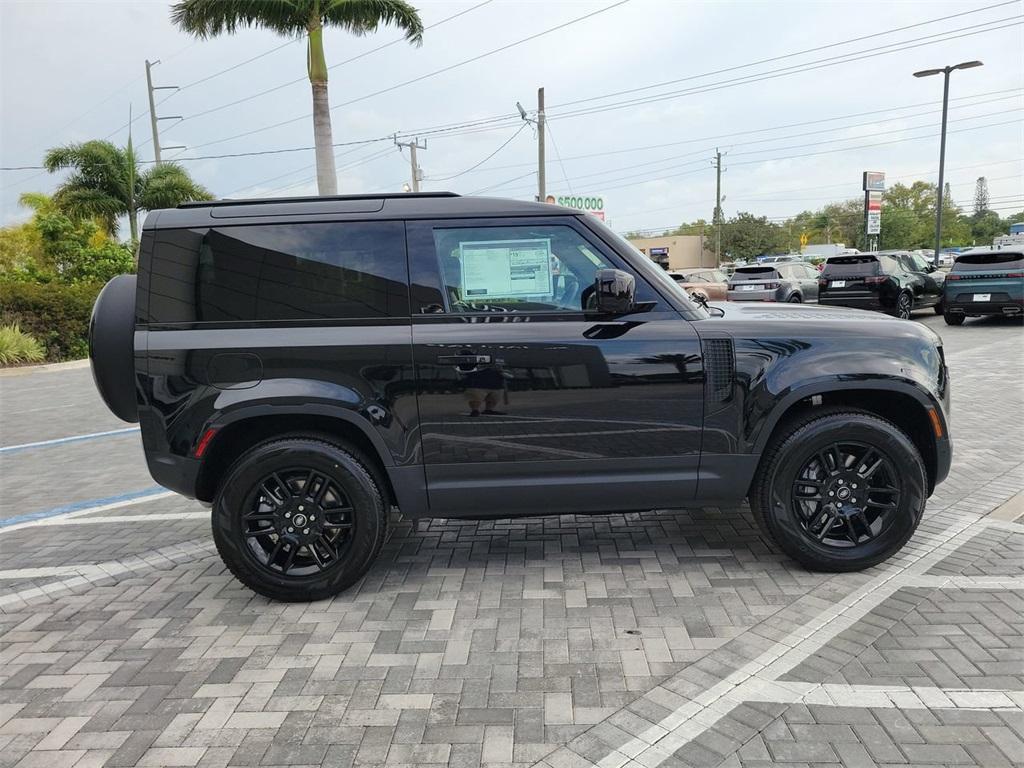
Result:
777,258
894,282
794,282
984,282
708,284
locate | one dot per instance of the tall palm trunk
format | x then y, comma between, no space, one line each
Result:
326,177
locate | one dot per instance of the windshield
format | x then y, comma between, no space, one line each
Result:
976,262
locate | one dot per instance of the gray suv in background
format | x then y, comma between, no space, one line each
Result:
794,282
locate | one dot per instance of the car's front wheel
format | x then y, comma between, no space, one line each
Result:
840,490
299,519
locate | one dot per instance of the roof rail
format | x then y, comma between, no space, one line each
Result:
311,199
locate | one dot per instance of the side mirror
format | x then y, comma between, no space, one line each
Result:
615,292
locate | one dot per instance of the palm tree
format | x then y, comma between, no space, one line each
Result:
106,184
208,18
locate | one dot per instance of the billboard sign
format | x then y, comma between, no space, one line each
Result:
874,222
874,181
874,201
592,204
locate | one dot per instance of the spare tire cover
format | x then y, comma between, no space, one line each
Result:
112,348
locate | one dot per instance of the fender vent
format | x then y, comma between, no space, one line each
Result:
720,367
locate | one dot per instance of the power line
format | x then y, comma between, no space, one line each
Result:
474,167
797,68
774,149
788,55
434,73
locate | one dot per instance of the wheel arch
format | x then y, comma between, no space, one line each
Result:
252,426
901,403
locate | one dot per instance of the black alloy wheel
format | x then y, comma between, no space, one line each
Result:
299,518
845,494
904,306
298,521
839,489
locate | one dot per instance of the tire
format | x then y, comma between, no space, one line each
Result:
795,299
954,319
111,346
940,307
796,522
904,306
268,488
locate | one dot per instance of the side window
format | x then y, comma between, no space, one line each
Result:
515,269
281,272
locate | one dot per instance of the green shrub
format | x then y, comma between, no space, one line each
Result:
56,314
18,347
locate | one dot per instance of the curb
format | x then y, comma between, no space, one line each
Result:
24,370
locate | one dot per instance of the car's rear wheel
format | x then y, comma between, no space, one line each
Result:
795,299
904,306
951,319
840,490
299,519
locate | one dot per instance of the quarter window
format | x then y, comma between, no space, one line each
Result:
281,272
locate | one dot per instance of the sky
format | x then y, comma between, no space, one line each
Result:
800,97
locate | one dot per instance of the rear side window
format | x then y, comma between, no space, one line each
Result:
977,262
280,272
755,273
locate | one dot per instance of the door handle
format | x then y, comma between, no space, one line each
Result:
464,360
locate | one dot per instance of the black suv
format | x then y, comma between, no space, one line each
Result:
305,365
894,282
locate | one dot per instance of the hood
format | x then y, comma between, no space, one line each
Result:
770,318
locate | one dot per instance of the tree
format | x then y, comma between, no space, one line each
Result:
209,18
745,236
106,184
980,197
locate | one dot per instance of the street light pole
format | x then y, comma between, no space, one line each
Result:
945,72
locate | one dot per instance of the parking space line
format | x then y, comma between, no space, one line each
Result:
85,507
689,721
65,440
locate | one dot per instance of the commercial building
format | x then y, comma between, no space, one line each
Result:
676,251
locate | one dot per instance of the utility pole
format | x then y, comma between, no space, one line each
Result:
542,192
541,166
718,207
152,109
415,171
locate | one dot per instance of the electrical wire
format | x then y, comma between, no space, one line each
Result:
427,75
474,167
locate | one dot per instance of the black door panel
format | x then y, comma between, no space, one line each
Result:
580,395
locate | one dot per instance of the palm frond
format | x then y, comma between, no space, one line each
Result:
210,18
168,185
363,16
83,202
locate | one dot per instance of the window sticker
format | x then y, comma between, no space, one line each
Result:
506,268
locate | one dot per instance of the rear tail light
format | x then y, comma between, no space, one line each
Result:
982,276
878,280
822,282
771,284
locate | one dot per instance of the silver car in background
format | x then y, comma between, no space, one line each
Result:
794,282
